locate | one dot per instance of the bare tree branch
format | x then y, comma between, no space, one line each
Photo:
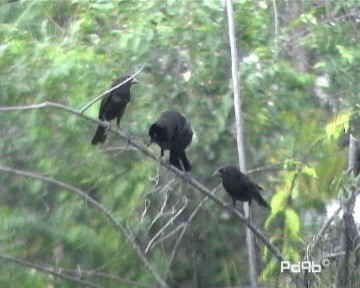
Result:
170,234
49,271
273,167
115,278
143,149
102,208
151,242
76,274
118,149
185,226
161,213
323,229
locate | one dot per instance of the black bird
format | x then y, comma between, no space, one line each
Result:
113,106
239,186
172,131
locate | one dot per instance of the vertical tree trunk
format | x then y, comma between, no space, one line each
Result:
349,234
239,137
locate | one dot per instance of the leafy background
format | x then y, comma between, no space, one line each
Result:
299,87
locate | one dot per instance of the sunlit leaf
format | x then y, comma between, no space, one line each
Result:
309,171
292,221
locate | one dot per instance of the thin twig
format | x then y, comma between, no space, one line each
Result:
333,255
166,225
274,167
87,106
118,148
49,271
324,228
91,273
143,149
161,213
170,234
190,219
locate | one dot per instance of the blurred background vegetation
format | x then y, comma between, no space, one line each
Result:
299,63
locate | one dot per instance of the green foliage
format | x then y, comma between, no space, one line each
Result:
339,124
70,51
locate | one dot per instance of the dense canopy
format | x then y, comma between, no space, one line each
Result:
110,215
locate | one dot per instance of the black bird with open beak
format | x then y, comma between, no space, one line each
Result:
172,131
113,106
239,186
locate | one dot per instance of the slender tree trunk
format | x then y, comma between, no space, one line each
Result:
239,137
349,238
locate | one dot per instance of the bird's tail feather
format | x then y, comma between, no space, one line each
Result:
175,160
261,201
100,135
185,161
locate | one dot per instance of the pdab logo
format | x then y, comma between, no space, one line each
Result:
308,266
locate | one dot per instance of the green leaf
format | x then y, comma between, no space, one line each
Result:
278,201
337,126
292,221
309,171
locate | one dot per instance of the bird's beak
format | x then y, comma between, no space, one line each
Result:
135,81
149,143
216,173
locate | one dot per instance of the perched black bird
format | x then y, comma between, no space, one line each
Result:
113,106
239,186
172,131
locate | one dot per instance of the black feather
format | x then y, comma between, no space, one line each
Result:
100,135
172,131
113,106
240,187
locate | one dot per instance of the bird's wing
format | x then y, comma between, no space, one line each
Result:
103,104
249,183
261,200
